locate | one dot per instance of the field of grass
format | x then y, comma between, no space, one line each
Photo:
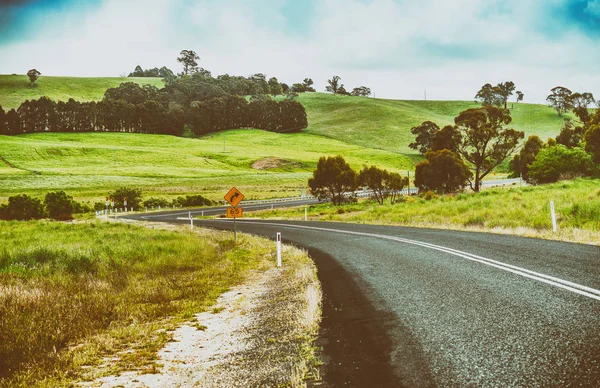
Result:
517,210
14,89
71,294
385,124
84,165
363,130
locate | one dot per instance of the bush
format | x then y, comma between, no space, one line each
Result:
133,196
22,207
59,204
193,200
559,162
156,202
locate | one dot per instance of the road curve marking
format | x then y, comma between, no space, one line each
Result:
551,280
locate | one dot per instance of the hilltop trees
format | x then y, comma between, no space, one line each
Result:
333,85
361,91
484,140
33,75
560,99
332,178
496,95
520,96
188,59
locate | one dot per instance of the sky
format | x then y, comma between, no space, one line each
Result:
401,49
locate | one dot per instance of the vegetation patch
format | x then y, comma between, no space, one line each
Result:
73,294
275,163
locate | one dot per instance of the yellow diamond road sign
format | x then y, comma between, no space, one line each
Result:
234,212
234,197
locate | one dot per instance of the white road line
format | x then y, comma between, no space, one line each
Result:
551,280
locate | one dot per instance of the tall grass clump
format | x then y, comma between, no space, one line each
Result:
61,284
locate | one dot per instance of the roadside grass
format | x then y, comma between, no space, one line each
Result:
385,124
90,164
514,210
14,89
73,294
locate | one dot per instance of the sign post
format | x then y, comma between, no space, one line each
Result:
234,197
553,215
278,249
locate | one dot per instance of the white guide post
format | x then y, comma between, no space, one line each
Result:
305,214
278,249
191,221
553,215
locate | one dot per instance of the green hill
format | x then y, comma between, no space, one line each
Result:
14,89
261,164
385,124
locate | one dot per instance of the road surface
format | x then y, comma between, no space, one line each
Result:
421,307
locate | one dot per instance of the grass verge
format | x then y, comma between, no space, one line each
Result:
73,295
522,211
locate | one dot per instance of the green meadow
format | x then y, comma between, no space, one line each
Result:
14,89
88,165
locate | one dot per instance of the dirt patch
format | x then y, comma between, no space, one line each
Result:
271,163
260,333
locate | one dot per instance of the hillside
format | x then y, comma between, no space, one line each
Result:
90,164
385,124
14,89
263,164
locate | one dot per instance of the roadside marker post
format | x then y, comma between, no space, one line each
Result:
553,215
305,214
278,249
191,221
125,204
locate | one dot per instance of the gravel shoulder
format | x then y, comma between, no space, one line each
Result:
261,333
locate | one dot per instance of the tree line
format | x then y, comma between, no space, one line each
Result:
195,98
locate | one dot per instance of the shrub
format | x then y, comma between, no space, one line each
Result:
133,196
22,207
193,200
59,204
559,162
155,202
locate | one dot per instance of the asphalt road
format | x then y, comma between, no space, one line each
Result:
420,307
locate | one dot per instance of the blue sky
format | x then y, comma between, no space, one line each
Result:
399,48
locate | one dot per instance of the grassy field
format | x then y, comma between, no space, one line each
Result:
71,294
363,130
385,124
516,210
14,89
84,164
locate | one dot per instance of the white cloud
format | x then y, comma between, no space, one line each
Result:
398,48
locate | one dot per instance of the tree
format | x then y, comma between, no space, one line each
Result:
425,136
560,99
188,58
592,142
342,91
445,139
133,197
33,75
519,165
275,87
490,95
375,180
333,85
505,90
59,205
308,85
580,103
570,136
22,207
442,171
332,178
3,126
520,96
361,91
559,162
484,141
395,183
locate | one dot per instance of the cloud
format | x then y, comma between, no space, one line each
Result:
397,47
